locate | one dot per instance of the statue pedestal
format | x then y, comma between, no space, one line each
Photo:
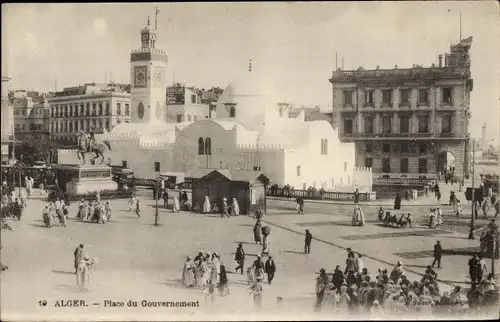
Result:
89,178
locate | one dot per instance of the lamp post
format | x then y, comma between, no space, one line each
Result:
19,169
472,217
157,187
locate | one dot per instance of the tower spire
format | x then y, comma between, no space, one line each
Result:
250,65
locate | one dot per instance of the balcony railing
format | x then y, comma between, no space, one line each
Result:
386,135
402,181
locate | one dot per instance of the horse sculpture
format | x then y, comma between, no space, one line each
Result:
88,146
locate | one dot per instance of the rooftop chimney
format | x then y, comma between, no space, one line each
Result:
440,57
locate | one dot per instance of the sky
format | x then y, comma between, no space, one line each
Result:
209,44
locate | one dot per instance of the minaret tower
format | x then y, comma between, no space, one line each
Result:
147,79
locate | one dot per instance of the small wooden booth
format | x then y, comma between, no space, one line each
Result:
247,186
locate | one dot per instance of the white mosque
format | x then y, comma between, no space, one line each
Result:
252,130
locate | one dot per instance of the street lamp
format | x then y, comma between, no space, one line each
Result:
159,184
19,169
472,222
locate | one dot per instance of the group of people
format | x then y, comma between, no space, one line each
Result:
13,206
205,271
94,210
354,292
53,210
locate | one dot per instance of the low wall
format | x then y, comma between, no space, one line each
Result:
320,195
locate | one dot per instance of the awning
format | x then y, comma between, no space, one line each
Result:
179,176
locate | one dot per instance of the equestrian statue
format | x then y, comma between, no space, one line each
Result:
87,144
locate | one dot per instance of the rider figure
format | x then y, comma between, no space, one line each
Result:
91,139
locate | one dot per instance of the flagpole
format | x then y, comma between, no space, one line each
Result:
460,26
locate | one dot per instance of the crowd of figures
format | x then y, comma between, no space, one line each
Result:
355,291
94,211
205,271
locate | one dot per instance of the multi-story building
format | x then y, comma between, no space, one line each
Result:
101,106
185,104
7,118
410,121
310,113
30,114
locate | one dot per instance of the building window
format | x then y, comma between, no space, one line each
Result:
71,127
345,166
179,118
157,166
82,109
422,165
405,148
208,146
124,164
447,95
299,171
94,109
201,146
193,99
423,124
369,97
232,112
386,124
387,97
423,96
106,108
106,122
386,148
127,109
94,124
368,124
87,112
118,108
82,127
189,118
403,166
65,110
348,128
422,148
100,108
386,165
404,124
369,162
368,147
51,112
446,123
348,98
195,118
324,146
404,98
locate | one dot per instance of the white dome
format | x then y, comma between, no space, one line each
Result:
252,96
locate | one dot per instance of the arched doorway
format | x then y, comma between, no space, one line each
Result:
446,160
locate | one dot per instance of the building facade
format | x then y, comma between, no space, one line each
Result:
185,104
100,106
407,122
7,118
31,112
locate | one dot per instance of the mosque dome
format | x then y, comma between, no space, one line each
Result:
248,99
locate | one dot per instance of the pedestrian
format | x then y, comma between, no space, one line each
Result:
165,199
239,257
397,202
438,252
137,209
307,242
188,273
258,214
359,263
270,269
321,285
235,208
356,196
223,281
176,205
474,269
78,253
131,203
206,206
224,208
265,244
257,233
300,205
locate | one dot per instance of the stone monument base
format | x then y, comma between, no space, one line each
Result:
89,179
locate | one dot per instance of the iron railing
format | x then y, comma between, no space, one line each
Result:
315,194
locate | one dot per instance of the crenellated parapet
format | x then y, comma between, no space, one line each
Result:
148,50
363,169
269,147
